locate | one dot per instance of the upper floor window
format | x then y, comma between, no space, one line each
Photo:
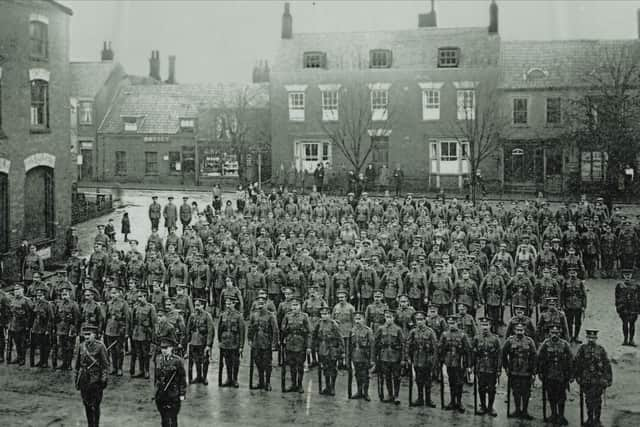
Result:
466,104
379,103
86,112
296,106
330,105
39,104
39,36
430,100
130,124
314,60
380,58
520,111
448,57
554,111
187,125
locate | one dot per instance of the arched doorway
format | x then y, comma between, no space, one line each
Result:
39,212
4,212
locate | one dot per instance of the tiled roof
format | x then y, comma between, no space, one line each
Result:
411,49
162,106
553,64
87,78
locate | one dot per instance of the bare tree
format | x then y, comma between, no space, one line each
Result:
604,116
243,120
357,122
479,123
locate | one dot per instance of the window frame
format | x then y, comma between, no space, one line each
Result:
173,170
187,124
82,110
603,161
42,52
461,109
296,100
547,111
314,60
127,121
379,109
446,62
147,163
330,105
121,163
520,117
43,104
380,58
430,110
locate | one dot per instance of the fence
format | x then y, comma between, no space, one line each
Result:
86,206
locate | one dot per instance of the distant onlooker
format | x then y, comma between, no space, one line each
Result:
125,226
110,230
318,176
383,177
370,177
241,199
398,177
292,176
195,212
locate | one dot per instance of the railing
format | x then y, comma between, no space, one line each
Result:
86,206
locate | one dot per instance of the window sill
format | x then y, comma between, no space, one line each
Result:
39,130
520,125
554,125
151,174
430,120
86,124
39,58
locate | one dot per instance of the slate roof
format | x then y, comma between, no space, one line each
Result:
554,64
162,106
87,78
411,49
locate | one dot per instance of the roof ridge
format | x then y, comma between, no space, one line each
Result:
404,30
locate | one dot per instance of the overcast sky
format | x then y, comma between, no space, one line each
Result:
219,41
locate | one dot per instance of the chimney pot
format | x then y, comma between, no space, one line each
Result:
287,23
107,53
154,65
171,79
428,19
493,18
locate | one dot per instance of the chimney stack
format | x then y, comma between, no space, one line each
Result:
107,53
260,72
493,18
287,23
154,65
171,78
428,19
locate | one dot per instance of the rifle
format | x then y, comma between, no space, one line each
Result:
581,407
544,402
442,386
380,382
220,366
508,395
320,378
283,370
410,384
251,369
349,369
475,389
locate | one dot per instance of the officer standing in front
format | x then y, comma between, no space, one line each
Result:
170,383
92,366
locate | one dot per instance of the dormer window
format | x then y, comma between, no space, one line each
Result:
448,57
130,124
187,125
314,60
380,58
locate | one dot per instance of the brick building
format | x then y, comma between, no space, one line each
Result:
94,85
179,133
36,168
419,81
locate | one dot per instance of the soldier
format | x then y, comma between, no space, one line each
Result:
520,291
454,352
67,325
404,315
275,280
374,315
175,318
176,272
392,284
555,372
574,301
487,366
590,250
627,246
183,302
170,383
76,267
592,371
342,280
466,290
389,351
312,307
296,335
5,312
20,318
329,345
627,306
157,296
92,366
143,325
97,267
365,283
200,334
231,338
185,213
492,295
155,211
362,350
263,335
608,250
519,362
43,318
550,317
343,313
154,270
545,287
415,285
520,318
170,213
231,291
440,288
199,279
90,311
422,349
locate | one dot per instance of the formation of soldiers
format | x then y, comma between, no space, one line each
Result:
386,287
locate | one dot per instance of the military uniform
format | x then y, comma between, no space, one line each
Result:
67,326
170,387
92,365
592,371
296,335
200,334
155,213
555,371
627,300
390,352
415,286
263,335
519,360
422,350
199,280
5,310
488,366
143,325
374,315
440,292
361,354
366,283
493,294
574,301
41,331
328,344
20,318
231,339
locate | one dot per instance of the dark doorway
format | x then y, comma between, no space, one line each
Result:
4,212
523,164
87,164
39,210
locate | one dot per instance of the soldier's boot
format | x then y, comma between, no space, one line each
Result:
589,421
596,417
9,349
267,379
294,380
483,407
114,363
236,368
365,390
146,367
120,364
516,409
132,365
300,378
420,400
44,356
190,371
198,373
491,399
452,404
396,391
427,396
525,409
632,333
229,368
389,385
260,379
554,415
32,354
459,400
561,417
333,384
327,385
205,372
625,332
